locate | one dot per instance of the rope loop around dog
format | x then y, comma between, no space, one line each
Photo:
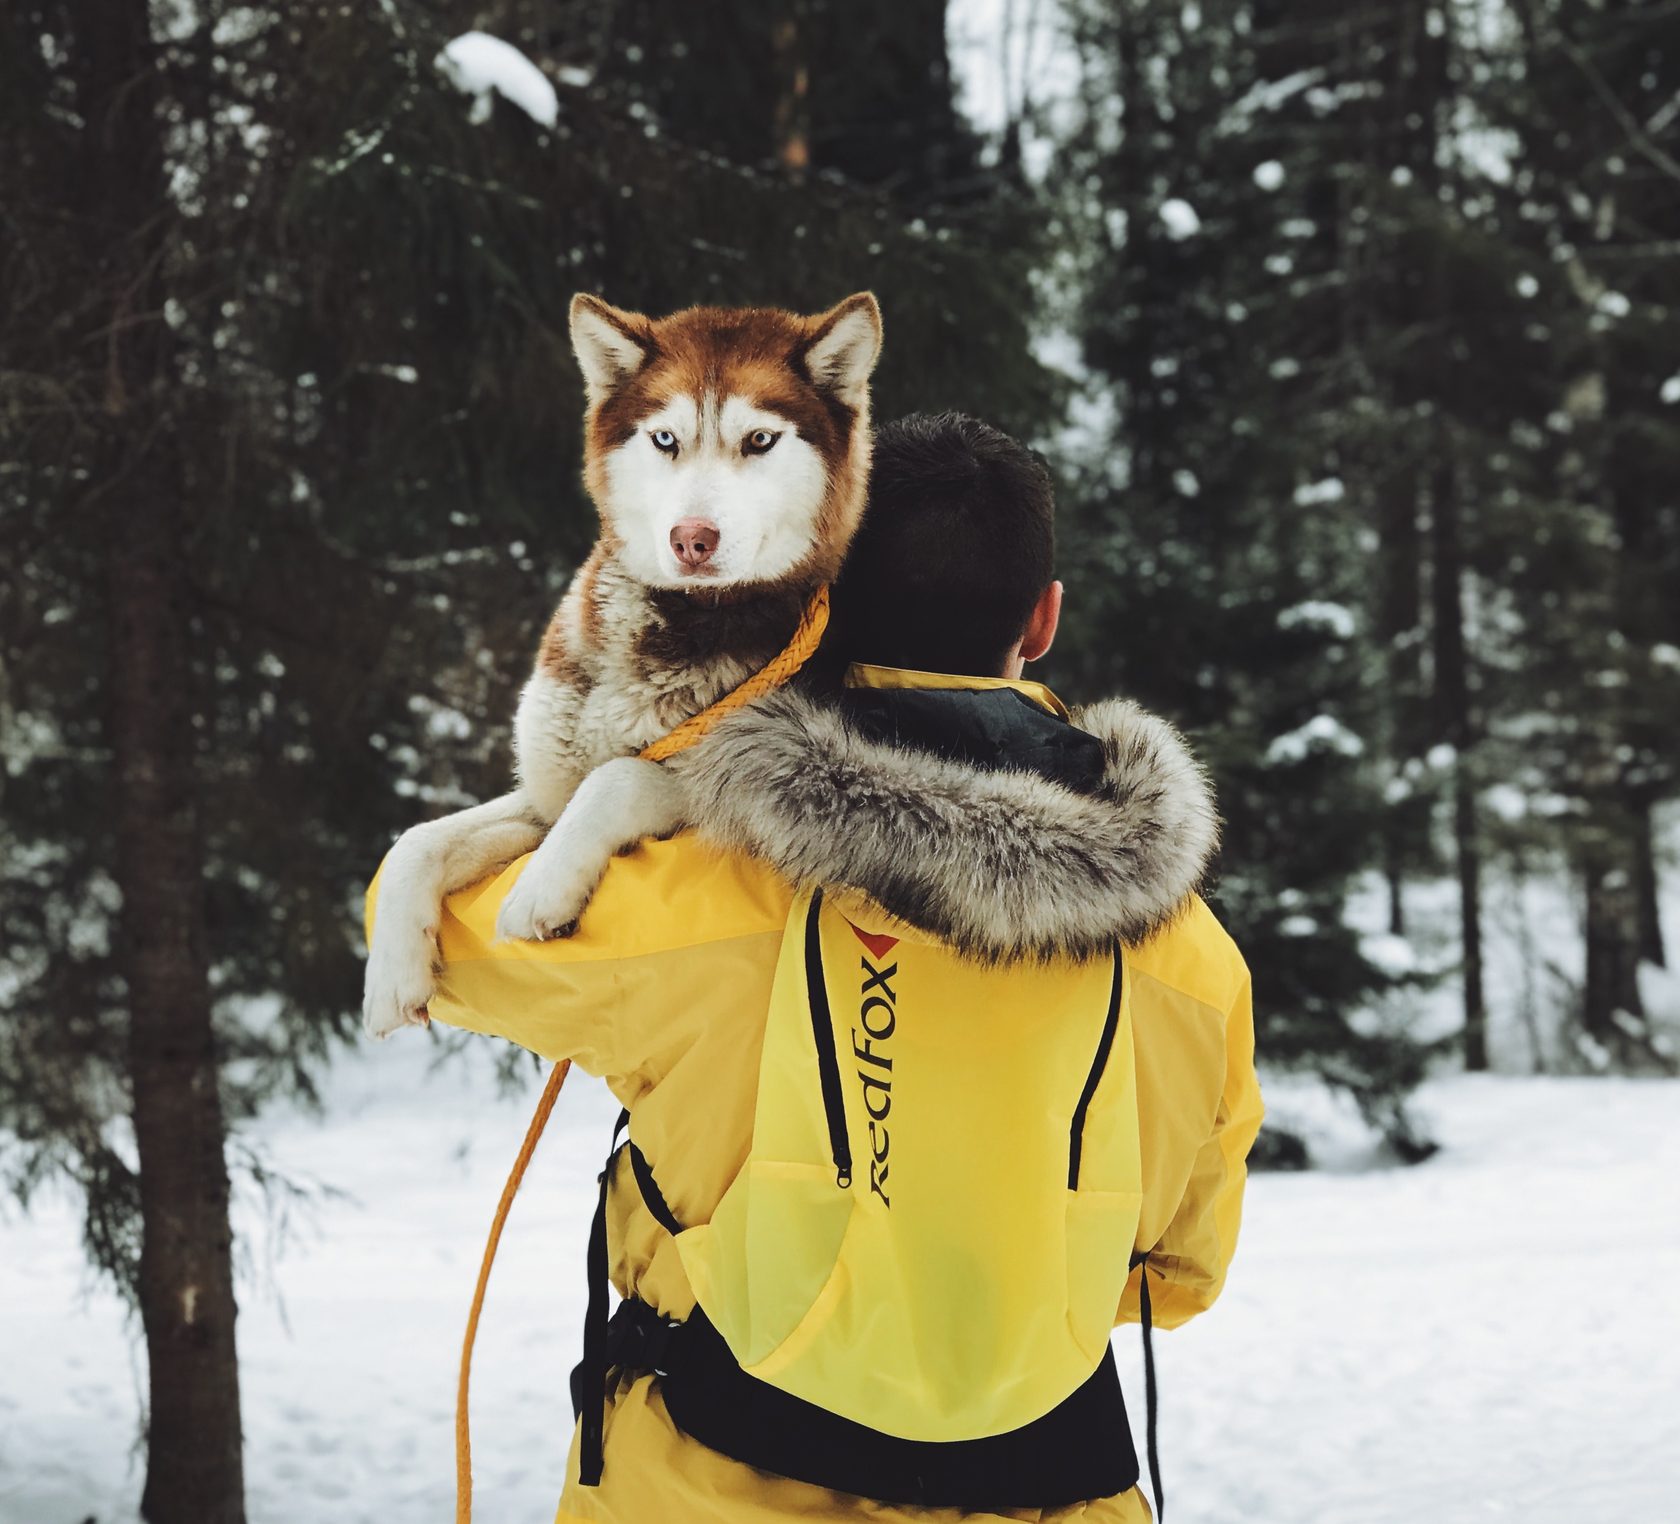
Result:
780,668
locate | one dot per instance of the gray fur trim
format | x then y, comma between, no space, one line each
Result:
1003,865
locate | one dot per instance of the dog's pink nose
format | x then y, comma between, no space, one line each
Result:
695,541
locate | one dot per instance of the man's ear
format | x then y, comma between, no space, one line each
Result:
610,345
1041,624
844,346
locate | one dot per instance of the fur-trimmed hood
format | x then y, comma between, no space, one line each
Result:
1002,862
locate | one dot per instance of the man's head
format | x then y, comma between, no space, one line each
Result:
952,569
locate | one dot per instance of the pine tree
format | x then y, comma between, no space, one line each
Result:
292,445
1406,271
1228,563
1589,92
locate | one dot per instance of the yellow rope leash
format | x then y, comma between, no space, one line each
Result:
780,668
812,623
463,1428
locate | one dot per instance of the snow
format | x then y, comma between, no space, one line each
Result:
1319,614
1016,65
1323,732
1180,218
1269,175
1659,993
1329,490
1506,801
350,1320
1392,954
1491,152
1267,96
1671,389
477,64
1509,1310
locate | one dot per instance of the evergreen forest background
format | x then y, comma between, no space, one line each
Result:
1352,332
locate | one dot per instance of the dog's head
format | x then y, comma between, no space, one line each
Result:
728,446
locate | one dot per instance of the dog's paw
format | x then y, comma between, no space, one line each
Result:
398,985
544,903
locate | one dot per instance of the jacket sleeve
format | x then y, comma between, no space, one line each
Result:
1187,1266
601,996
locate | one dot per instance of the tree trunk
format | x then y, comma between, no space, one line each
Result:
792,120
1469,853
1452,688
1134,196
1651,949
1434,88
1612,1014
1399,630
194,1468
1402,126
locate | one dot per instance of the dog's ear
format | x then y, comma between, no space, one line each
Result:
844,345
610,345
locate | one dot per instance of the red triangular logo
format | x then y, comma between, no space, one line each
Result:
875,941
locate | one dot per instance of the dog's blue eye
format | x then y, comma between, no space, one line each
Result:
757,442
664,439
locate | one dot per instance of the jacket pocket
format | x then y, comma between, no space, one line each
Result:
1101,1226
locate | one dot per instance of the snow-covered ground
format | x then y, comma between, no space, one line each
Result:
1494,1334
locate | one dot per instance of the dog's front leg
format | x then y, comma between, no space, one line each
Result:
618,805
427,863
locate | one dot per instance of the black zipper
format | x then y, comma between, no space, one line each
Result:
828,1060
1111,1024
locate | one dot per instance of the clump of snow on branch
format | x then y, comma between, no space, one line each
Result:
478,65
1310,494
1392,954
1323,732
1180,218
1319,614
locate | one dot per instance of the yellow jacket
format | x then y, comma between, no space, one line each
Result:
664,987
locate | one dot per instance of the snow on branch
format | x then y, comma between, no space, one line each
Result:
1323,732
477,64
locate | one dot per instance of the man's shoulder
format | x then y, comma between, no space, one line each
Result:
697,891
661,897
1195,956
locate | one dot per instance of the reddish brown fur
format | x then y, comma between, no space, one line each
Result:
753,352
758,353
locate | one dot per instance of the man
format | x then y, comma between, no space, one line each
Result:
938,788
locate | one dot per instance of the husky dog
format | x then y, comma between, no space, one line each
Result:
727,452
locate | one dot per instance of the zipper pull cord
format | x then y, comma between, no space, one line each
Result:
822,1034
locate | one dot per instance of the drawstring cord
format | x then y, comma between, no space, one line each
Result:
1151,1397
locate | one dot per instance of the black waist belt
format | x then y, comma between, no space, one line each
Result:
1079,1451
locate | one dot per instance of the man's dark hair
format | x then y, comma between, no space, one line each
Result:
957,545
